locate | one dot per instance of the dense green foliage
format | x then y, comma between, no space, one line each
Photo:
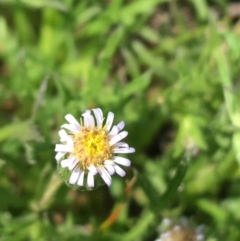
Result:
169,69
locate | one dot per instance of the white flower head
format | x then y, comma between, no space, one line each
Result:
171,230
91,147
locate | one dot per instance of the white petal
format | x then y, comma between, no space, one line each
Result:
110,169
105,176
71,119
120,125
119,171
121,160
71,127
73,163
114,131
88,120
63,135
59,155
87,112
65,163
92,169
108,162
74,176
99,116
123,150
68,162
199,237
69,141
109,121
118,137
81,179
100,112
121,144
63,148
90,180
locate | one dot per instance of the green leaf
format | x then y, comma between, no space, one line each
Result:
213,209
236,145
85,15
112,43
24,131
136,86
140,227
174,183
201,8
231,94
146,56
45,3
132,64
190,135
134,8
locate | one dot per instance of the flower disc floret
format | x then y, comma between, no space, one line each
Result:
91,147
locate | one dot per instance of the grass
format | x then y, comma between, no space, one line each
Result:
169,69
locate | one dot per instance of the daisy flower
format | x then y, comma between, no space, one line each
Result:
183,230
91,148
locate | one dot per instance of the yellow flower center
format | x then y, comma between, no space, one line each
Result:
91,146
